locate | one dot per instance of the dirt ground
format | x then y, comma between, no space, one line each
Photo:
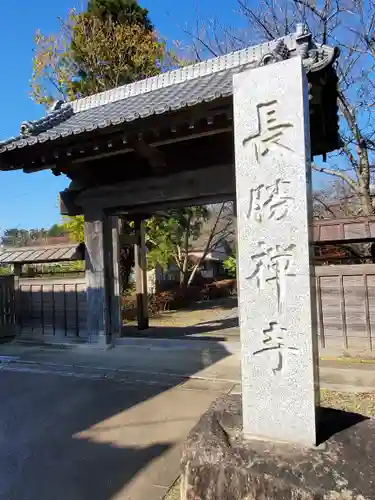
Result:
216,320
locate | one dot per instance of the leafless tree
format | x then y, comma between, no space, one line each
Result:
348,24
335,200
220,231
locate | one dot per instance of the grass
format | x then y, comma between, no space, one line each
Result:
174,491
363,403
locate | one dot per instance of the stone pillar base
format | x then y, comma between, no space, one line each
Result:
219,464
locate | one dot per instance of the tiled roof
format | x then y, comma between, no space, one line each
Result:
35,255
170,91
160,101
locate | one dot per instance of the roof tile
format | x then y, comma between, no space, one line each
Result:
39,254
188,86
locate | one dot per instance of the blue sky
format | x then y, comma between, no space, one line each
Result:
31,200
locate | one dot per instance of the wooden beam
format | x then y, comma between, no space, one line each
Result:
160,142
345,270
17,296
343,241
155,158
189,137
344,220
162,208
141,275
68,205
97,302
114,280
102,277
187,187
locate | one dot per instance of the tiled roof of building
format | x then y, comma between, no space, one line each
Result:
160,101
187,86
38,255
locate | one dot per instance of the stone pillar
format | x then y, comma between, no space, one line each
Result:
103,301
141,275
276,297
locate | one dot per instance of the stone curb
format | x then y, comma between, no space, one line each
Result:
104,373
336,379
178,344
145,343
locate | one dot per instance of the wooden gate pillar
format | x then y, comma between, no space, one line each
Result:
102,277
140,258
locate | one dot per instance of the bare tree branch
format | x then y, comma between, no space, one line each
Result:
325,205
344,23
336,173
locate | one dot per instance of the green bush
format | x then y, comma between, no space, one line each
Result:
230,266
5,271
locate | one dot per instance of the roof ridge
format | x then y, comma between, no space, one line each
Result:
223,62
46,122
34,127
52,126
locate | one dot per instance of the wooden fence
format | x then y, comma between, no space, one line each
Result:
57,306
346,306
52,306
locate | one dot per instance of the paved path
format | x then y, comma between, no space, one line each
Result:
81,423
171,362
63,437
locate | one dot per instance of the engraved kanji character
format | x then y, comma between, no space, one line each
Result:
270,130
270,202
273,264
275,346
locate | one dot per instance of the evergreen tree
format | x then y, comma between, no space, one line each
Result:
122,11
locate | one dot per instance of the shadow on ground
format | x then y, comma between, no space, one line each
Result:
201,331
64,437
333,421
218,328
225,303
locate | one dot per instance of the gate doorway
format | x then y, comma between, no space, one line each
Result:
158,144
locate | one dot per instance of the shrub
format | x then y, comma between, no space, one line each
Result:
230,266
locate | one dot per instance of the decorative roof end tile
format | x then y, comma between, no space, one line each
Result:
26,128
59,112
56,105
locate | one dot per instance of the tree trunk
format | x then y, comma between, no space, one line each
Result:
208,245
364,183
184,277
366,203
184,273
126,257
126,265
193,273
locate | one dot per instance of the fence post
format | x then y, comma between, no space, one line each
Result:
367,313
17,299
